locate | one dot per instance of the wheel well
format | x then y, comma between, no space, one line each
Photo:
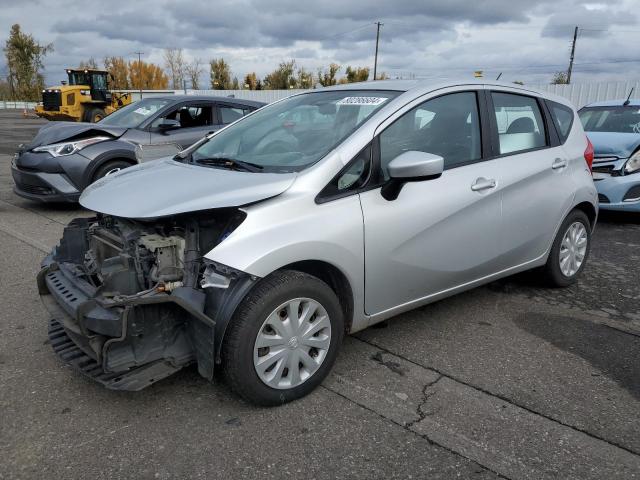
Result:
336,280
589,211
105,162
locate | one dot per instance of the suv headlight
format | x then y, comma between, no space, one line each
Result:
67,148
633,164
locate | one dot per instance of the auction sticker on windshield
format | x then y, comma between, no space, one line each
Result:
361,101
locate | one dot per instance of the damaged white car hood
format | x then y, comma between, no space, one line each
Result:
166,187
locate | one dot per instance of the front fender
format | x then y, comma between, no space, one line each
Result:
288,229
104,152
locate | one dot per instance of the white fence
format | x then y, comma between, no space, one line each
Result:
6,104
580,94
266,96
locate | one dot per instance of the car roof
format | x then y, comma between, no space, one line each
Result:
425,86
214,98
615,103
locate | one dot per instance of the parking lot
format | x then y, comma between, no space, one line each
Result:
510,380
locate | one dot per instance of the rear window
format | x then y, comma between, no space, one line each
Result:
621,119
562,117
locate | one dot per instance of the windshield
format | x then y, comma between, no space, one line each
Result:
291,135
611,119
134,114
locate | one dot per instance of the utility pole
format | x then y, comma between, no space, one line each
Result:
139,71
573,52
375,62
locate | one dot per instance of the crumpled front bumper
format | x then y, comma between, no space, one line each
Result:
125,343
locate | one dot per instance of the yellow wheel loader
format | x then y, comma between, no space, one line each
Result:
84,98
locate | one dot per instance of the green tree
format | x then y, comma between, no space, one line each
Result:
220,74
282,77
24,56
328,77
357,74
559,78
235,85
304,78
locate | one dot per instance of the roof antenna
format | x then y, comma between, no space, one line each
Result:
628,100
498,77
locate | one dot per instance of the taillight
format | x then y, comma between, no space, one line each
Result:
588,154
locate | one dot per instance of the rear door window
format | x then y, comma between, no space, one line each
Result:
228,114
519,123
562,117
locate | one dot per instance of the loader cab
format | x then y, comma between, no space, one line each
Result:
96,80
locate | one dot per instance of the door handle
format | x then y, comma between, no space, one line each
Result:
559,163
483,184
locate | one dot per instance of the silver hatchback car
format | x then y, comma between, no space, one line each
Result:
260,246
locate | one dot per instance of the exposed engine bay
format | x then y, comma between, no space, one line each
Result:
133,301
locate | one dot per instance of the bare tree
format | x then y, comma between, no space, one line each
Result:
174,63
89,64
193,71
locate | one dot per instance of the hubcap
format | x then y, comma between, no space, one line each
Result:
112,171
573,249
292,343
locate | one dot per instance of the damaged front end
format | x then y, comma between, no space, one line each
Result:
133,302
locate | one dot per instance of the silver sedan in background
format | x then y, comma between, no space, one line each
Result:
259,247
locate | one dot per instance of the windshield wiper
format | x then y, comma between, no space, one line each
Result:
230,163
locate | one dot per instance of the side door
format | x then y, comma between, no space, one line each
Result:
195,121
536,184
438,234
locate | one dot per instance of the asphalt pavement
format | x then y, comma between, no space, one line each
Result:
510,380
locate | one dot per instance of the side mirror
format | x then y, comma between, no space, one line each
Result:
168,124
412,166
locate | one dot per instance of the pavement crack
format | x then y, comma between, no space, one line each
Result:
501,397
413,432
426,395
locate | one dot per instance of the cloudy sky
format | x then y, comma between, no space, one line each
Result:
526,40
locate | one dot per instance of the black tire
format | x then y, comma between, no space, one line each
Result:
94,114
239,341
553,275
108,167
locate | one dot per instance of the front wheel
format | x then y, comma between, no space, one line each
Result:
570,250
94,114
283,339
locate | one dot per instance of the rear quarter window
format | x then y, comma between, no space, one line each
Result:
562,117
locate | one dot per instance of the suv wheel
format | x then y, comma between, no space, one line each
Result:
283,339
110,168
570,250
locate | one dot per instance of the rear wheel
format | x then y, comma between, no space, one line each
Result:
570,250
94,114
283,339
110,168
